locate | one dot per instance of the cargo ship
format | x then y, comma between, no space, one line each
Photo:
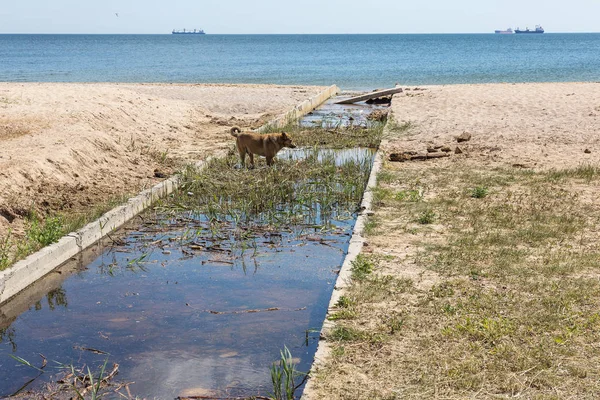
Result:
509,31
538,29
184,32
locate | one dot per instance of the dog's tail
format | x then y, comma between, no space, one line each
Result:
235,131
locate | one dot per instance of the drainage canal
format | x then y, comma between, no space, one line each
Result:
198,297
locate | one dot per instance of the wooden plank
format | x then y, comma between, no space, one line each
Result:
372,95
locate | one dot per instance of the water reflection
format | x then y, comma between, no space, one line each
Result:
185,304
57,297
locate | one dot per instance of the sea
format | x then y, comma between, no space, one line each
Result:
353,62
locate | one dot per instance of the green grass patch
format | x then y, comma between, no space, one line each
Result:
361,268
479,192
584,172
426,217
43,231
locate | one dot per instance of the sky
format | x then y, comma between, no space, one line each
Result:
307,16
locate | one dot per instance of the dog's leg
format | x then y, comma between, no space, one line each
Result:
251,159
242,156
269,161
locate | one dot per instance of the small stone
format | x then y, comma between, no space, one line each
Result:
436,155
446,149
458,151
587,151
400,157
464,137
378,115
520,165
431,150
158,174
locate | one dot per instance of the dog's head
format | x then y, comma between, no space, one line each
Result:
287,140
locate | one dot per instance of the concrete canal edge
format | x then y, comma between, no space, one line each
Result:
357,242
27,271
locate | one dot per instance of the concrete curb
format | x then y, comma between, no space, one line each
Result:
301,109
357,242
34,267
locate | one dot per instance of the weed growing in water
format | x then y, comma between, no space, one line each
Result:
335,137
293,192
283,375
82,382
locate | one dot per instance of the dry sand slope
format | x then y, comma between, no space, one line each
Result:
68,146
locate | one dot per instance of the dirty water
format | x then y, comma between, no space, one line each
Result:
183,310
331,115
341,156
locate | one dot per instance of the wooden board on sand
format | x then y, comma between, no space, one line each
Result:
372,95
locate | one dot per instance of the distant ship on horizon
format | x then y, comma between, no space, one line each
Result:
538,29
509,31
184,32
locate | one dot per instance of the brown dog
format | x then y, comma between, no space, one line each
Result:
266,145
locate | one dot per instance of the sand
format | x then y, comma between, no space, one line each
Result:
535,125
66,147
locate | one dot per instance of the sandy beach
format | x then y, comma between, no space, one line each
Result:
536,125
69,146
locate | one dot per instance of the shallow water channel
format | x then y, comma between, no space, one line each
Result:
182,314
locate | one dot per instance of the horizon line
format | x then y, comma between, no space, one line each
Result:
264,34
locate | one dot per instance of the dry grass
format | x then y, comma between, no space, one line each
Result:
497,297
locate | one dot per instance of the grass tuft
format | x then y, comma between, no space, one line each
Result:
426,217
361,268
479,192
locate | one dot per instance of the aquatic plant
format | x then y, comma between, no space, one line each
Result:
309,191
334,135
283,376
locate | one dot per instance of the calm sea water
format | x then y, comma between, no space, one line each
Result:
350,61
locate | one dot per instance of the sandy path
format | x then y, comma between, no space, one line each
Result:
68,146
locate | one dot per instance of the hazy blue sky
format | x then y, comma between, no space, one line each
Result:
308,16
